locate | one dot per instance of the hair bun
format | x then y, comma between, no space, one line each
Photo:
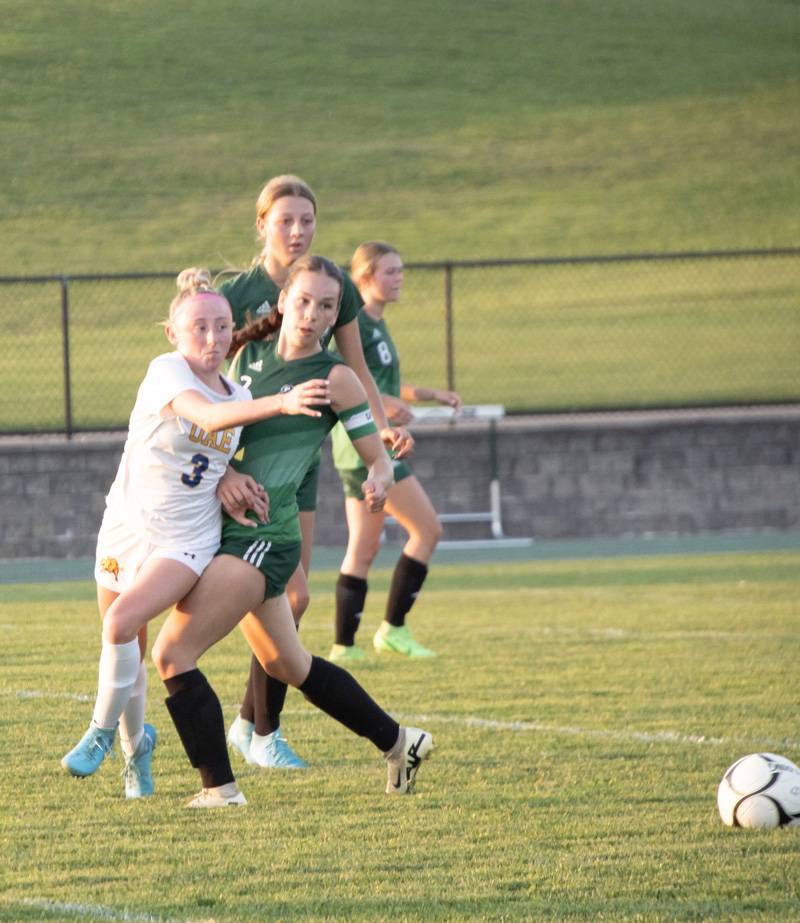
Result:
194,279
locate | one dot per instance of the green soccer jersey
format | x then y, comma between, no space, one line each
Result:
276,452
252,294
383,362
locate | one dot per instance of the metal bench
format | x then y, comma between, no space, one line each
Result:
493,516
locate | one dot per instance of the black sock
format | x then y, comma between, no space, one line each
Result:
409,575
265,698
268,717
350,595
197,715
248,706
339,695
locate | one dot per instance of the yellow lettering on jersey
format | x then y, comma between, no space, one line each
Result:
221,440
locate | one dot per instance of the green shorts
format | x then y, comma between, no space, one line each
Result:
307,491
353,478
276,562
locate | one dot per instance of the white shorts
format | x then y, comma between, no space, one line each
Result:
121,554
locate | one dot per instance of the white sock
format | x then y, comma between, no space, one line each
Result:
131,721
119,667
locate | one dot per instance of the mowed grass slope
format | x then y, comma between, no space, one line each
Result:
583,713
137,135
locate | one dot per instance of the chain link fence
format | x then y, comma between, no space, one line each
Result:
593,333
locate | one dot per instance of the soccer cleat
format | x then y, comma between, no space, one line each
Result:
346,654
397,639
220,797
272,751
402,771
138,773
239,737
85,757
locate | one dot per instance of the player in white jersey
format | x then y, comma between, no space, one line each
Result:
162,522
163,501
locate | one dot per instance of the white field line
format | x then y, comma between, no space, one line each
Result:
669,737
492,724
97,912
43,694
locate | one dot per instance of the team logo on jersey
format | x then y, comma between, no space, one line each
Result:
285,389
256,366
376,334
264,308
110,566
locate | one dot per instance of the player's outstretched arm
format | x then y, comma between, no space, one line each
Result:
414,393
302,399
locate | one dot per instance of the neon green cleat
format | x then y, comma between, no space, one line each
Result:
346,654
397,639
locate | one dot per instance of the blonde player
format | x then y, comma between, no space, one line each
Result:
162,522
377,270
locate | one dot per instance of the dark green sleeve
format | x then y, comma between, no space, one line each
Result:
351,303
230,290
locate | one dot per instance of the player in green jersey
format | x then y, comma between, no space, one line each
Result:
286,214
378,272
246,581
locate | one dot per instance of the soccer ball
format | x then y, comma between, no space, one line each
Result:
760,790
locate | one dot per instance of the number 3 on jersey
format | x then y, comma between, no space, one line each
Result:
200,463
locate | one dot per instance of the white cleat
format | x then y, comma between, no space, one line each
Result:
402,771
219,797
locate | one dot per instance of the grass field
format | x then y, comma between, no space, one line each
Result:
583,713
457,131
137,136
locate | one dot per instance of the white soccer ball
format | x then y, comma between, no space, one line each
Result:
760,790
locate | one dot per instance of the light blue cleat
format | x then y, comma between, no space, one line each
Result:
138,772
85,757
239,736
273,752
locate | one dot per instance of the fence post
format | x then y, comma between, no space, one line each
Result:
65,355
448,325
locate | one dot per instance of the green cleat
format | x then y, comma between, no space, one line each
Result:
399,640
346,654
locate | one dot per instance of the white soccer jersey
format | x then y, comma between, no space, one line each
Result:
165,488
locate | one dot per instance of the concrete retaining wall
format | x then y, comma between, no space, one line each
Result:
572,476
